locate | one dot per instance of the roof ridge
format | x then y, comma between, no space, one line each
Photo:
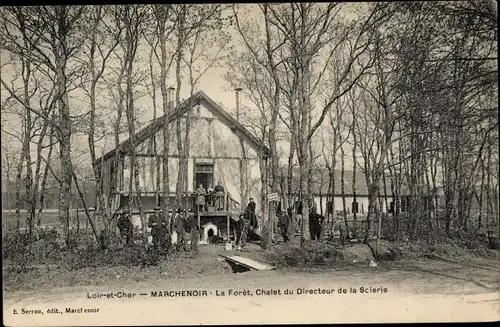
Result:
155,124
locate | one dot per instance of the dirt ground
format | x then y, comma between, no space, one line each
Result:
417,289
420,290
407,290
417,276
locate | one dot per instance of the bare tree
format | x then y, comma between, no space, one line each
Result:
132,18
96,57
164,27
267,59
205,44
52,36
312,30
249,75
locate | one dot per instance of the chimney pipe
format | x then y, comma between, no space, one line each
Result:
238,89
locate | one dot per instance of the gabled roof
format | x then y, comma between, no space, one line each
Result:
197,99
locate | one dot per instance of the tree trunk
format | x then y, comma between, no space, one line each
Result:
266,237
329,196
344,207
18,185
165,127
64,144
87,214
372,208
185,156
178,123
44,178
116,179
101,205
304,172
30,196
132,42
384,184
274,170
289,174
435,201
479,197
428,200
354,168
37,169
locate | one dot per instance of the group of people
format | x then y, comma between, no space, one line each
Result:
215,196
285,222
181,224
249,220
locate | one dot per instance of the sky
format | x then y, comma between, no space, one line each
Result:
212,83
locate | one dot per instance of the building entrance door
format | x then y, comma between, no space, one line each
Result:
205,175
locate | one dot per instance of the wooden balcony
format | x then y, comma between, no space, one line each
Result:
215,205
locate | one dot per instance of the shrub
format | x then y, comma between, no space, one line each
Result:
311,254
130,255
48,246
16,249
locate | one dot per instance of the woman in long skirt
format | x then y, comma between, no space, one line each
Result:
200,200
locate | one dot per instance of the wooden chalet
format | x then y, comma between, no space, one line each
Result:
220,149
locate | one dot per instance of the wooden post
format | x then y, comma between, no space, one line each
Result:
86,224
199,219
228,230
272,217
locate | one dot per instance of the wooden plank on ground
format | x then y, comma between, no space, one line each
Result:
246,262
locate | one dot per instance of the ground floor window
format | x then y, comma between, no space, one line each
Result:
405,204
428,204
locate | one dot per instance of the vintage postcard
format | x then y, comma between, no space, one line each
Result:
261,163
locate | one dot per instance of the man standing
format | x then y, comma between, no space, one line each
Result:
251,205
192,225
315,224
284,224
219,196
180,227
158,226
125,226
244,225
250,214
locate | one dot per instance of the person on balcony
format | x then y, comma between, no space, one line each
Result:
219,196
200,200
210,198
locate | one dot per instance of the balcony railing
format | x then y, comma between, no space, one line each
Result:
214,203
